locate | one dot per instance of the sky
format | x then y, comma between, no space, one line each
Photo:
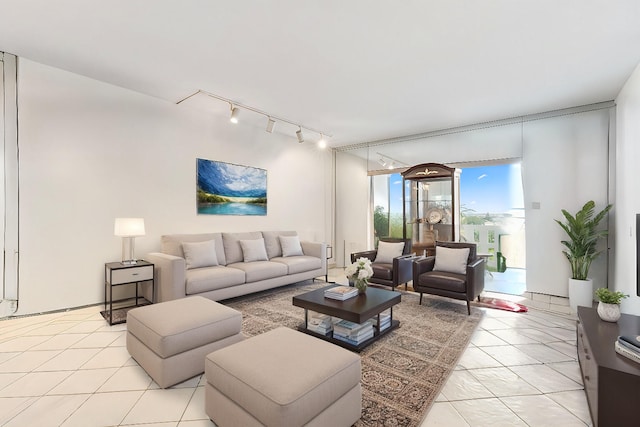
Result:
493,189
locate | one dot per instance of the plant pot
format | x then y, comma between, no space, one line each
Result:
609,312
580,293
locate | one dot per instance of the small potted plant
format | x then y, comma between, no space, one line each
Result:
609,305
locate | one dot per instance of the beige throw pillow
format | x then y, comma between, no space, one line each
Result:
451,260
387,251
290,246
200,254
253,250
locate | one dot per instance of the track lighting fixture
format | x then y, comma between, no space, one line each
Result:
234,114
270,125
271,119
382,162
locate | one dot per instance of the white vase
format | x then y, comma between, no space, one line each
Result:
609,312
580,293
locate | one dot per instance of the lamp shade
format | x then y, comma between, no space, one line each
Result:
129,227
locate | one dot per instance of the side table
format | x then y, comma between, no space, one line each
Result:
118,274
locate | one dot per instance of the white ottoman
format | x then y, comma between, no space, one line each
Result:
283,378
170,340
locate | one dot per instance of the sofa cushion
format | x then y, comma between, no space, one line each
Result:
299,264
171,244
253,250
211,278
261,270
290,246
387,251
200,254
232,248
272,242
451,260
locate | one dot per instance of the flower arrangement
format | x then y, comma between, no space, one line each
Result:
359,272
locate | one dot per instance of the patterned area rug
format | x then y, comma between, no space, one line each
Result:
403,372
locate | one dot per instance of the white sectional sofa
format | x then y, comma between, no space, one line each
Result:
226,265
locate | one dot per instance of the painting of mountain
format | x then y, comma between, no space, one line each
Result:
229,189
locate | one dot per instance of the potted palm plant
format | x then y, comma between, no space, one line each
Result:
581,249
609,305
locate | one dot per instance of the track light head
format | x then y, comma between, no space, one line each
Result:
382,162
234,114
299,135
270,125
322,143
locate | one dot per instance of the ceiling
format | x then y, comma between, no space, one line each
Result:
359,70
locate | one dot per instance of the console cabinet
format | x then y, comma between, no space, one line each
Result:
611,381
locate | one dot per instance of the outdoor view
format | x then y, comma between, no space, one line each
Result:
492,212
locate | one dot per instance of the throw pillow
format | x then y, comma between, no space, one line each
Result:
451,260
387,251
290,246
200,254
253,250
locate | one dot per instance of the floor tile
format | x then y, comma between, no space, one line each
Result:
127,378
513,336
109,357
28,361
159,406
12,406
487,412
97,339
56,408
443,415
575,402
541,411
462,385
503,382
509,355
538,335
568,369
103,409
564,347
22,343
474,358
83,381
482,338
545,379
60,342
34,384
68,360
195,408
543,353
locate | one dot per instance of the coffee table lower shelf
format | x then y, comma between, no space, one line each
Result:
357,348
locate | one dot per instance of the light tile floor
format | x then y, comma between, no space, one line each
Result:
72,369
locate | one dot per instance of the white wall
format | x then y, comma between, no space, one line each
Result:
352,207
565,164
627,191
91,152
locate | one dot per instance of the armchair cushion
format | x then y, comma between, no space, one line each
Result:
387,251
451,260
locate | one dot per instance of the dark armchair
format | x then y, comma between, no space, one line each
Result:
392,273
464,284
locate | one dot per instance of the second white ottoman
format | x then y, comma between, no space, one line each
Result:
170,340
283,378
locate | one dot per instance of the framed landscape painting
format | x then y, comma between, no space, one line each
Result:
228,189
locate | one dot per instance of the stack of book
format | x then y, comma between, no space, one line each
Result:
353,333
341,293
629,346
385,321
320,323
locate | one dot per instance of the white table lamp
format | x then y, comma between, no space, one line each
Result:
129,229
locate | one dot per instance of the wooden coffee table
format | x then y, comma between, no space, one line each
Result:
357,309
